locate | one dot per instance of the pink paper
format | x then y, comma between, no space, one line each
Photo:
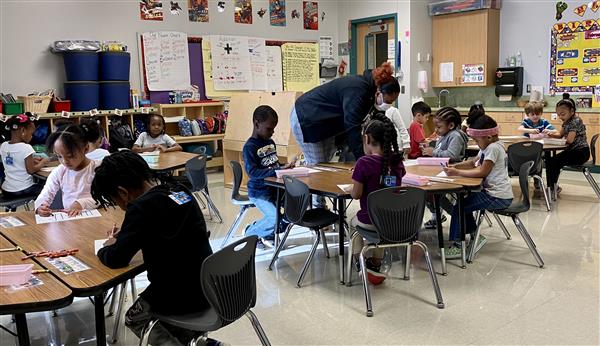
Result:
537,135
413,179
432,161
294,172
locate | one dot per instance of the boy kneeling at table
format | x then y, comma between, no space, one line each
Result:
166,224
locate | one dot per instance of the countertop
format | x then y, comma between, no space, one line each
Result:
520,109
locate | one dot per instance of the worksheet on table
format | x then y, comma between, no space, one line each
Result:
62,216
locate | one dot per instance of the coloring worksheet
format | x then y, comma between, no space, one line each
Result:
62,216
68,264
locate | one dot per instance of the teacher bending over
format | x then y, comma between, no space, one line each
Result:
340,106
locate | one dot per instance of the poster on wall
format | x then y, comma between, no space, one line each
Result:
258,58
231,69
198,10
151,10
311,15
277,12
575,56
166,60
274,69
473,73
300,64
243,11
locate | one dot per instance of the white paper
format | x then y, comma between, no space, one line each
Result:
166,60
258,66
68,264
60,216
274,72
326,47
446,72
408,163
99,244
391,49
346,187
442,174
48,169
311,170
231,68
10,221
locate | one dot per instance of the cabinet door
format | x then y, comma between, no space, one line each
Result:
471,29
444,46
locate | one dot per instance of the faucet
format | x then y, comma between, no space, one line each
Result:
440,96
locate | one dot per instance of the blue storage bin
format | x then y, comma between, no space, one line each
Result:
114,66
83,95
114,95
81,66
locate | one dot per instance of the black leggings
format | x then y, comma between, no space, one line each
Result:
572,157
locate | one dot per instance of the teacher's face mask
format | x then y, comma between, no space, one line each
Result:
380,104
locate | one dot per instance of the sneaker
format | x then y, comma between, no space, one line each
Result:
432,224
453,252
558,190
482,241
269,241
374,274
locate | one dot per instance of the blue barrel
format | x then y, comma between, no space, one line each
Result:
114,95
81,66
114,66
83,95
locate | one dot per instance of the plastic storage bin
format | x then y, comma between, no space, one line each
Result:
13,108
83,95
16,274
114,66
81,66
114,95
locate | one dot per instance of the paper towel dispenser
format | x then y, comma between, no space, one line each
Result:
509,81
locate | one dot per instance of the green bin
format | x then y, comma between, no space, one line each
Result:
13,108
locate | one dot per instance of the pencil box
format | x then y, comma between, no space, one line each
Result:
413,179
294,172
432,161
17,274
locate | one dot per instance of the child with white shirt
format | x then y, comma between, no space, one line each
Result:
155,137
403,138
18,159
73,176
93,135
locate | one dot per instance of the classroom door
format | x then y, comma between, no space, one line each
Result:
372,37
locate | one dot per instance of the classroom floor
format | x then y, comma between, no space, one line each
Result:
501,298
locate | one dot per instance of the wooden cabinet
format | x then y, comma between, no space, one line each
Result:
466,38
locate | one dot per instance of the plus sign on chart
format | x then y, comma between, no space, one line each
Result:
228,49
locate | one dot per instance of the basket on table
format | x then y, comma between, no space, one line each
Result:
35,103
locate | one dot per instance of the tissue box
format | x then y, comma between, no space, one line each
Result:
294,172
17,274
432,161
413,179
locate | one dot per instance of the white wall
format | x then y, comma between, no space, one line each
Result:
420,42
27,28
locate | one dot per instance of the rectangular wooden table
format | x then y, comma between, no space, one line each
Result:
508,140
78,234
50,295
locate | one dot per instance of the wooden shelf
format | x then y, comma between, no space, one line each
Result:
198,139
215,161
100,112
189,105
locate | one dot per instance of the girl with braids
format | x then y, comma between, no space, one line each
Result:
577,151
73,176
489,164
93,135
18,159
165,223
380,167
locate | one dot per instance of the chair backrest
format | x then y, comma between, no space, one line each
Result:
521,152
229,279
297,199
524,170
397,212
236,169
195,170
593,147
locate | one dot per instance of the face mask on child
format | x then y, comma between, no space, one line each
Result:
379,104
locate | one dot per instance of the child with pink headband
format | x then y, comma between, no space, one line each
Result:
491,165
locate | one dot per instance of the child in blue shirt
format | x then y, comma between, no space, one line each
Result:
261,161
534,123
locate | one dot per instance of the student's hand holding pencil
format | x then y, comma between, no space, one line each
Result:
44,210
111,234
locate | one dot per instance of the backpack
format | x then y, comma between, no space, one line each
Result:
120,135
214,125
185,127
40,134
195,128
140,127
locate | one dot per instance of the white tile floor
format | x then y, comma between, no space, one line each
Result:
502,298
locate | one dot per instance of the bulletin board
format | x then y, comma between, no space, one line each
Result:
575,56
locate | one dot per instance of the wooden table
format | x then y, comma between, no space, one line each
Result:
508,140
53,294
172,160
78,234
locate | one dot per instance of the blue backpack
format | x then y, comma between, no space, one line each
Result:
185,128
40,134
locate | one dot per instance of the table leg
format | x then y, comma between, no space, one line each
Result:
277,216
438,218
22,331
341,235
463,227
100,323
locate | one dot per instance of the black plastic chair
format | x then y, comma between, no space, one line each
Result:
195,170
229,284
397,213
517,207
237,199
13,204
296,203
589,167
521,152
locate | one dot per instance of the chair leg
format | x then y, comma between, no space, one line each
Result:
133,290
432,275
258,328
544,190
280,247
591,181
487,218
212,206
145,336
521,228
236,223
349,261
502,226
363,269
199,200
117,323
407,263
473,243
309,258
113,301
324,240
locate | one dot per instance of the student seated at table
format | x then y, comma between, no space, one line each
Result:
477,107
380,167
166,224
490,164
451,143
155,137
73,176
421,112
18,159
534,123
93,135
261,161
